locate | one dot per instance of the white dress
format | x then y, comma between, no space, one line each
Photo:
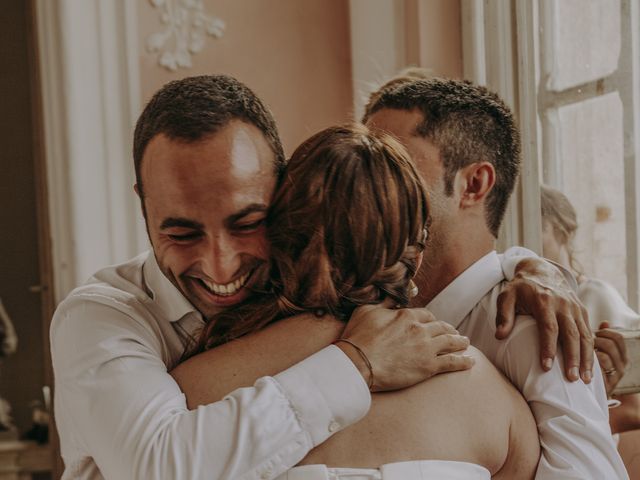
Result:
413,470
605,304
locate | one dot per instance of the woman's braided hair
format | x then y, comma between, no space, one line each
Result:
346,226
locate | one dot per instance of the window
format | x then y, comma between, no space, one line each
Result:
571,71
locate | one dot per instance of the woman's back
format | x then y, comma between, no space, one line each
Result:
474,416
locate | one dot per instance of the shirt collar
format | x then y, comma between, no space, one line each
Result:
163,292
458,298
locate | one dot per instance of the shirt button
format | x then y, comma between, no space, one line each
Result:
334,426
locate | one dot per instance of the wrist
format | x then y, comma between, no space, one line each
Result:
358,358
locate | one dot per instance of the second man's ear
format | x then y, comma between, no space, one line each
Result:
478,180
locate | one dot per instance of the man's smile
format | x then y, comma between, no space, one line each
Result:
226,289
217,294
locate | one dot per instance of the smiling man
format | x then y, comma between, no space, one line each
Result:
182,185
207,156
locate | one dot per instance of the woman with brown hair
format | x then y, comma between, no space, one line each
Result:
346,228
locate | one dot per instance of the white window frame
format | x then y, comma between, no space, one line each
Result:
91,98
494,33
491,42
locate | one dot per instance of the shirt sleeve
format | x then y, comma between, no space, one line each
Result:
116,402
572,417
512,256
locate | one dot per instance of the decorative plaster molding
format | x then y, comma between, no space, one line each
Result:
186,26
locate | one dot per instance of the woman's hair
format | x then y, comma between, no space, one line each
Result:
345,228
558,211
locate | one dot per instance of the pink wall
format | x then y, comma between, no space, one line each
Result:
441,37
294,54
433,36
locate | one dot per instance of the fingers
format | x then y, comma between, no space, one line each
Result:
586,343
404,346
605,361
611,372
453,362
505,318
449,343
422,315
571,344
543,292
584,313
586,358
606,365
548,328
619,341
434,329
610,348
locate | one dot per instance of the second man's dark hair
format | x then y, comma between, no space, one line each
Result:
468,123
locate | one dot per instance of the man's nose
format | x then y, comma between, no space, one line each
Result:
222,259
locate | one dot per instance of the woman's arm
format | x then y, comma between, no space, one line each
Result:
626,417
524,445
209,376
405,346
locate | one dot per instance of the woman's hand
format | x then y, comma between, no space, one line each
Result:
404,346
612,355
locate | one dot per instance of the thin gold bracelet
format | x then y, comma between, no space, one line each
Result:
364,358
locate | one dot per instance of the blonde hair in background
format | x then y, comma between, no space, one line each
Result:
556,209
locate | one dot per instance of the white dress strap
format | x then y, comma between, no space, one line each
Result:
434,469
412,470
321,472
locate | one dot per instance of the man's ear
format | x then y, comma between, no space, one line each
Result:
477,180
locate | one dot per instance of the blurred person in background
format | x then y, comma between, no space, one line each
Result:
607,309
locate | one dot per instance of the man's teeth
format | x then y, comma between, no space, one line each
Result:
228,289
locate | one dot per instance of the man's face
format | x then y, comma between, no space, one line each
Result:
205,203
403,124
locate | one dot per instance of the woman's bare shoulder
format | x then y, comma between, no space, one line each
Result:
461,416
490,407
491,387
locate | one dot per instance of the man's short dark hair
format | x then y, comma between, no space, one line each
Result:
193,108
468,123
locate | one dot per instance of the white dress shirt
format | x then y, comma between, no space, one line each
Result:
572,418
121,415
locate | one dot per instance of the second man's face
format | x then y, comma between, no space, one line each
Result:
403,125
206,203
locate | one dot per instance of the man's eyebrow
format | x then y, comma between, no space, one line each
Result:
173,222
254,207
